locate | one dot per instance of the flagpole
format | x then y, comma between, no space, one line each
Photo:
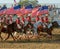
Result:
14,2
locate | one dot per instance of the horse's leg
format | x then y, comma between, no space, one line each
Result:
12,36
38,31
0,36
49,32
24,31
7,37
36,35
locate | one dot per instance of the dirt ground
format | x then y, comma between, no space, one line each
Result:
42,43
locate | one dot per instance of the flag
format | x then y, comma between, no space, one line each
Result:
28,9
3,10
17,7
10,11
22,10
19,14
45,9
34,12
40,11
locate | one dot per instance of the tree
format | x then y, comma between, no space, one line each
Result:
27,2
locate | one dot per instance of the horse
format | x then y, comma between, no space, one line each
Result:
48,28
9,29
42,27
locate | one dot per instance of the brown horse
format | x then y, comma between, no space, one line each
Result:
9,29
1,26
46,29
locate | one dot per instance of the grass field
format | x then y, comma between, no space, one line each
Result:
42,43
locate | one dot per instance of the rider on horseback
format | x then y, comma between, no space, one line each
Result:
18,22
45,21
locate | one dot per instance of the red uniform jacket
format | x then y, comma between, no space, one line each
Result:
29,18
23,19
17,21
46,19
42,19
37,19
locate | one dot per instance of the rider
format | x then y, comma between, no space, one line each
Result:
23,20
7,18
42,21
46,20
47,23
18,22
35,26
29,18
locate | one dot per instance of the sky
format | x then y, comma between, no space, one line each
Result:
56,2
49,1
8,1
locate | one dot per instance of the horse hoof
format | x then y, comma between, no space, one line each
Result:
4,40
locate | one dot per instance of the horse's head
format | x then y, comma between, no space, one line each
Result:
55,24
